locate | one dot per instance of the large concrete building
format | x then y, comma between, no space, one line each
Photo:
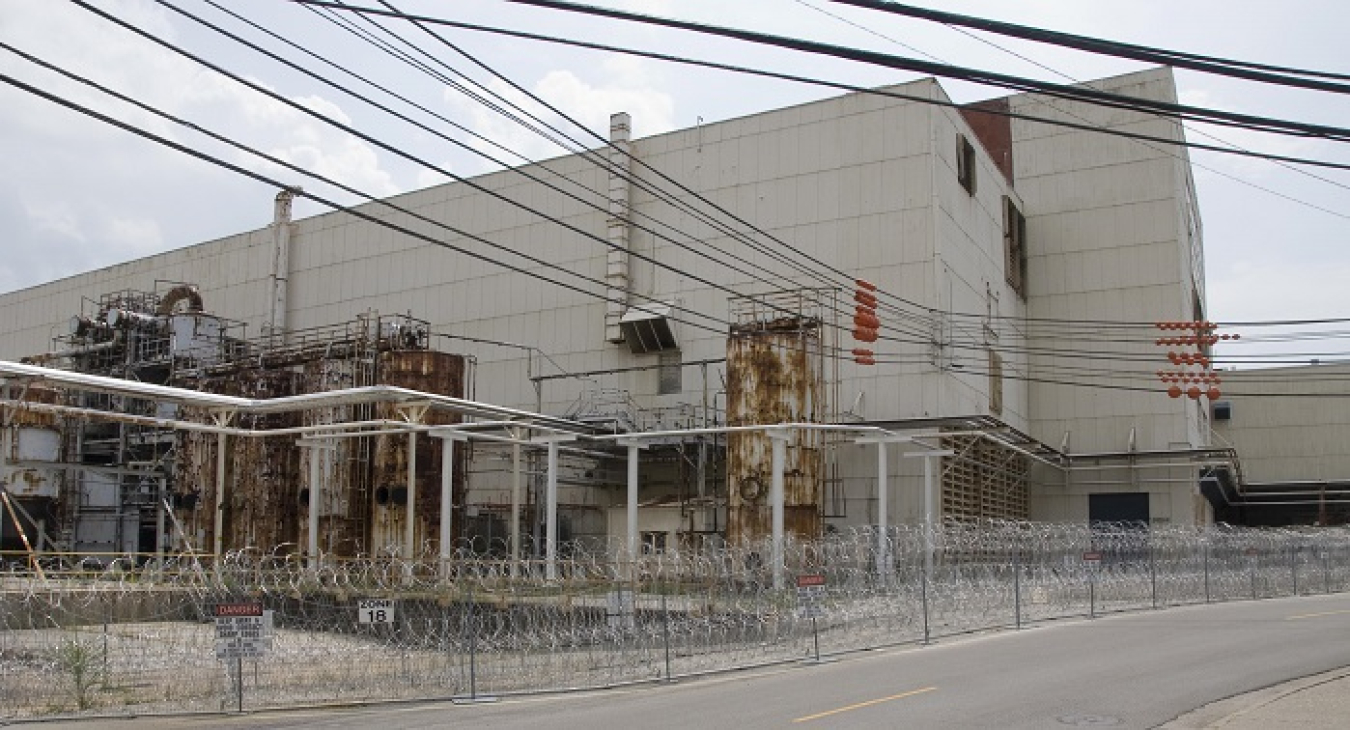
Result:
726,301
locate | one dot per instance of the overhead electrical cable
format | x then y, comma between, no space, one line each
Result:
384,145
750,273
1214,116
824,83
818,264
1191,127
653,189
848,87
1282,76
354,212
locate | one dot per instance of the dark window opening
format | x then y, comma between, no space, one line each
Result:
965,163
1015,247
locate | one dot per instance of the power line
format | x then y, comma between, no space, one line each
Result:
653,189
601,208
848,87
1278,75
386,146
1215,116
355,212
823,265
1193,128
833,85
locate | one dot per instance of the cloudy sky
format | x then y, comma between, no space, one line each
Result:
76,194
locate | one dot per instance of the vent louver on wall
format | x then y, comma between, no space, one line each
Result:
648,328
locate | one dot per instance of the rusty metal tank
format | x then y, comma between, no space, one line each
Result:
261,504
426,371
774,376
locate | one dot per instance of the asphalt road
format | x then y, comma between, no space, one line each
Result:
1135,670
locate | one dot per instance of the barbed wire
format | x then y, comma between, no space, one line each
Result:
134,634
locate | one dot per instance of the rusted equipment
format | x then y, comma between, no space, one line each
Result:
773,376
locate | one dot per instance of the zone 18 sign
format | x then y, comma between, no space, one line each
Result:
376,610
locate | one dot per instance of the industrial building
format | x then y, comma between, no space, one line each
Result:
979,227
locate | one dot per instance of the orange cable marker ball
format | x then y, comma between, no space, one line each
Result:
1193,393
865,284
1213,393
1174,391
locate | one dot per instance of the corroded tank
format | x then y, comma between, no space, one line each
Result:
426,371
260,502
774,376
344,469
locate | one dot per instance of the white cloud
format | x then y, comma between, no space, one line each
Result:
131,197
652,111
625,86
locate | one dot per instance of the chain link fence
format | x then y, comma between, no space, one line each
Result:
126,637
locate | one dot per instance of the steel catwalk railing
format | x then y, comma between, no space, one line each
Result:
126,635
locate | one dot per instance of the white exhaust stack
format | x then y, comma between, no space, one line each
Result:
281,262
620,192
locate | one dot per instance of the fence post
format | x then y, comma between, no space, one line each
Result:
923,591
1204,551
1293,566
1326,573
1152,573
473,647
665,629
1092,594
1251,557
1017,588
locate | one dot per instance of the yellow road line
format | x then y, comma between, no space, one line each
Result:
861,705
1315,615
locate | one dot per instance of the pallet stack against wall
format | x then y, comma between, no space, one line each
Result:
983,480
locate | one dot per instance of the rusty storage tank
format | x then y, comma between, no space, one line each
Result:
427,371
260,500
344,470
774,375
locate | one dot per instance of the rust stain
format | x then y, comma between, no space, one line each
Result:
20,416
771,380
261,503
429,372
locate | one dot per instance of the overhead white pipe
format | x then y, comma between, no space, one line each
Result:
281,263
617,264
